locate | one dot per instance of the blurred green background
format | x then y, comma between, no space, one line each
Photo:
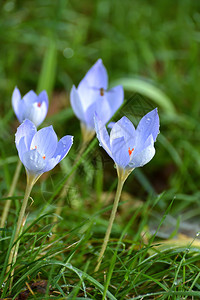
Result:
152,48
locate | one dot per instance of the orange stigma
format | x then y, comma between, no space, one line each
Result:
130,151
39,104
34,148
44,157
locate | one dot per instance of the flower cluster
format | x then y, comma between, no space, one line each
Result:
94,105
92,102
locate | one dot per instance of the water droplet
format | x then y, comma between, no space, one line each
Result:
198,233
68,52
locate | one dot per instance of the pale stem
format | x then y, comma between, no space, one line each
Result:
111,220
10,194
19,228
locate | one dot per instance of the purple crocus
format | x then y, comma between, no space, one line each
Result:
31,106
40,151
92,96
129,147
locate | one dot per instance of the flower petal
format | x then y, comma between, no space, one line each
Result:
141,158
115,98
148,125
123,128
21,148
38,110
120,152
16,101
102,108
77,104
33,162
30,97
43,98
96,77
62,149
89,89
45,141
102,135
25,131
35,113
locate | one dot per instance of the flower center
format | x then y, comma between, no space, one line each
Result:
102,91
130,151
39,104
36,148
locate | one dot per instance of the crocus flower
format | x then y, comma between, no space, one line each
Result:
31,106
40,151
129,147
92,96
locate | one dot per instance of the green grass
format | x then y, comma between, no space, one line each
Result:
153,50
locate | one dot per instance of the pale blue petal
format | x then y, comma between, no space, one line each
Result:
148,125
89,116
89,89
45,141
88,96
21,148
63,146
123,128
30,97
38,110
62,149
51,163
16,104
33,162
35,113
102,108
115,98
77,104
120,152
25,131
96,77
142,157
111,124
43,98
102,135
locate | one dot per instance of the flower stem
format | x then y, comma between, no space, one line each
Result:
19,228
10,194
111,220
